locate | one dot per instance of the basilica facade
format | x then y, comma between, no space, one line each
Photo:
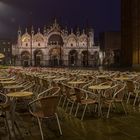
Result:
55,46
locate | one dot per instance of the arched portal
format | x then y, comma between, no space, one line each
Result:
56,56
73,58
55,39
25,59
85,55
38,57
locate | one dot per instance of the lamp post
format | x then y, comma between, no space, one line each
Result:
31,52
87,45
31,48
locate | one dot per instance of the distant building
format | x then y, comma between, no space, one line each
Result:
110,43
6,49
55,47
130,27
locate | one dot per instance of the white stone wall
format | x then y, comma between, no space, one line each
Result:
39,41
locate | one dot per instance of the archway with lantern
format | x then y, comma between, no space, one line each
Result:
38,57
73,58
56,56
25,58
85,58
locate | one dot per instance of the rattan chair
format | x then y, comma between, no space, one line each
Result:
84,98
45,108
117,97
4,107
53,91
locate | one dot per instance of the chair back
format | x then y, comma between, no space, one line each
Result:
130,86
46,105
53,91
80,94
119,92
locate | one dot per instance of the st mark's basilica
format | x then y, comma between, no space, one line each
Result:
55,46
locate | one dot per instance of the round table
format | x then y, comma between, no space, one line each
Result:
7,82
76,83
14,96
60,79
20,94
13,87
123,78
98,88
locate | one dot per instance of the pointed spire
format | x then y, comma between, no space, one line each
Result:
26,31
38,30
55,21
77,32
19,30
32,30
71,30
45,30
66,30
83,31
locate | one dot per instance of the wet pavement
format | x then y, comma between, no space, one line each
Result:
117,127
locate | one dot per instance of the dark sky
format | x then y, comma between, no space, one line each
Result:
102,15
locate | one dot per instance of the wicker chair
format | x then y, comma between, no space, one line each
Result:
4,107
117,97
45,108
84,98
49,92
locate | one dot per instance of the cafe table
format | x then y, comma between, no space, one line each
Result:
13,87
76,83
14,96
123,78
60,79
99,89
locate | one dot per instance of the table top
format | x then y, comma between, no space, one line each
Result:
84,74
123,78
7,82
102,76
76,82
99,87
49,77
20,94
60,79
5,79
13,86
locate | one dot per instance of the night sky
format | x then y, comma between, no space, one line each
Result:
102,15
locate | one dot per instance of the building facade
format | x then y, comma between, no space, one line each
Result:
55,47
6,49
130,27
110,44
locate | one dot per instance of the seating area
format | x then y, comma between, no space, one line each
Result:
52,103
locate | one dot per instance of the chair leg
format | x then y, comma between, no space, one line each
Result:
108,110
40,127
128,97
7,125
60,130
64,102
124,108
60,100
77,110
135,99
71,108
84,112
67,105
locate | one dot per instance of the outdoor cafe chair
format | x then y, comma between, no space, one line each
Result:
45,108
